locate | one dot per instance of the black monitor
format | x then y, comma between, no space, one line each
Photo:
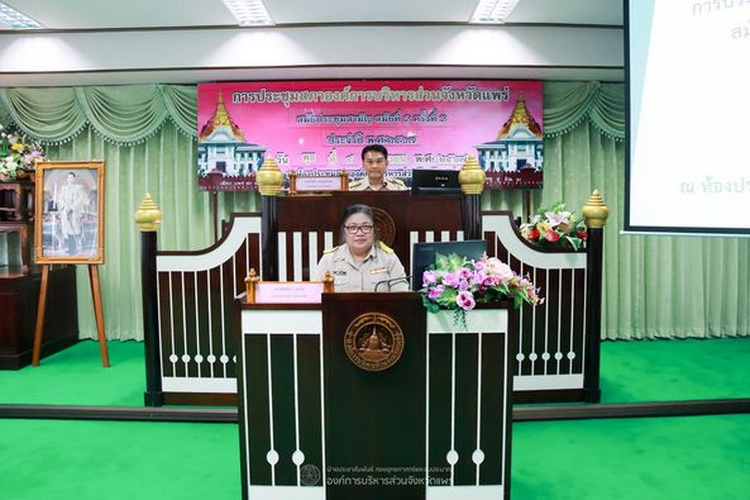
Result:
435,182
423,255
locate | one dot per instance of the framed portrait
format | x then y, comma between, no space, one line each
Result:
69,213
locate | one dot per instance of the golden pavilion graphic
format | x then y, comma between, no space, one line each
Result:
226,160
514,159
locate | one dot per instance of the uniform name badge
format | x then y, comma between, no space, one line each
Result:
340,277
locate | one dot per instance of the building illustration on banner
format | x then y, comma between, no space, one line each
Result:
226,160
514,159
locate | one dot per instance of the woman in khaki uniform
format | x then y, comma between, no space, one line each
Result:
362,263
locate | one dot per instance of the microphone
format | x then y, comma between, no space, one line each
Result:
392,280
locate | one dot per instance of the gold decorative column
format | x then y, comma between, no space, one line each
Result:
250,282
344,178
148,215
328,283
269,178
148,219
595,211
472,177
292,183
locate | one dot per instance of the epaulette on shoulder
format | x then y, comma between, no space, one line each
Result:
385,247
355,183
396,180
331,250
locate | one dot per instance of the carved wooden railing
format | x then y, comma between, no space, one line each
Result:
192,323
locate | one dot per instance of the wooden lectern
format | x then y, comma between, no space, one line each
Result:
368,396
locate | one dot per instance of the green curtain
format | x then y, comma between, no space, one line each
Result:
653,285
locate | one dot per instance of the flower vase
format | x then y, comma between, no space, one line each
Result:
20,176
25,175
485,320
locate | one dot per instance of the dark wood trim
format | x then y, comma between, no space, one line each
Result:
199,399
153,395
592,349
548,396
471,216
269,241
520,413
117,413
632,410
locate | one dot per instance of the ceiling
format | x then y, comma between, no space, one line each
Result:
107,14
187,41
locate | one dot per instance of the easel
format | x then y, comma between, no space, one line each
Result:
98,312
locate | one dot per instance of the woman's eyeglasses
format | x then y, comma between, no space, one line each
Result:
353,229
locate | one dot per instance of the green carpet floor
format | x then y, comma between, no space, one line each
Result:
75,376
675,370
679,458
702,458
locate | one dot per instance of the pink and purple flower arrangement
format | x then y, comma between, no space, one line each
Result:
459,284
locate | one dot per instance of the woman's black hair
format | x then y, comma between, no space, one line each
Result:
358,208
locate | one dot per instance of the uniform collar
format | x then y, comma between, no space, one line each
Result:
386,184
348,257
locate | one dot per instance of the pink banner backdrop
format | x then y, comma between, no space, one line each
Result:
320,128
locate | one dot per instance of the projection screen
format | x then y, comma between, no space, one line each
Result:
688,88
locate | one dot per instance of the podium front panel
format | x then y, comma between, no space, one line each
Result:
281,404
375,359
314,424
469,411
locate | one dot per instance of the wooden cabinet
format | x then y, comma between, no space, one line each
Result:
19,296
17,216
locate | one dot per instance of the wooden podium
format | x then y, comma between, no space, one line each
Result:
368,396
375,361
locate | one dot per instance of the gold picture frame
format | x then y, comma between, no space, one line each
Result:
69,213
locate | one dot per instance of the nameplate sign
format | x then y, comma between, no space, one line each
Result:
288,292
318,184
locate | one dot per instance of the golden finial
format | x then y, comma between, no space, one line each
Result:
148,215
250,282
595,211
472,177
292,182
344,178
328,282
269,178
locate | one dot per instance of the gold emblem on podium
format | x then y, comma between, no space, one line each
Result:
373,342
385,225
